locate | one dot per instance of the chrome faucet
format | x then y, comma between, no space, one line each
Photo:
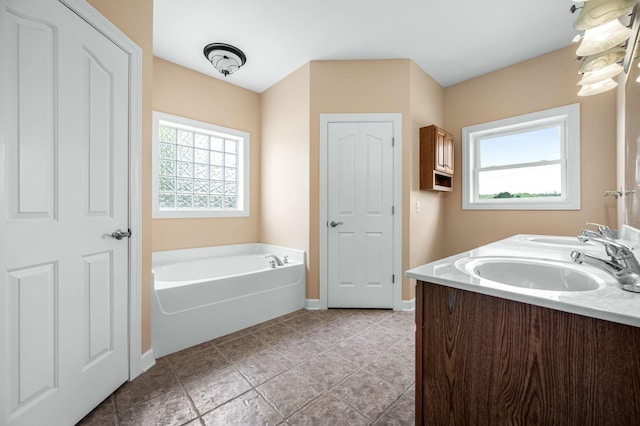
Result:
603,231
622,265
275,259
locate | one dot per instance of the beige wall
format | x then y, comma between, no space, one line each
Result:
186,93
135,19
544,82
425,229
285,160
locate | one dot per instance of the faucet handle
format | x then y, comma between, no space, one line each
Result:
604,230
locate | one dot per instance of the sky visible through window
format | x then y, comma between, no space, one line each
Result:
520,150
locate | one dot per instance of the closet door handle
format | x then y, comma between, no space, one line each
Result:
334,224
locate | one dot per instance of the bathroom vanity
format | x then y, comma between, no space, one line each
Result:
491,352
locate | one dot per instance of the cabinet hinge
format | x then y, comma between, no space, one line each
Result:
393,210
393,141
393,278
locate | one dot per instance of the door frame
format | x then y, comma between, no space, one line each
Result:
85,11
396,119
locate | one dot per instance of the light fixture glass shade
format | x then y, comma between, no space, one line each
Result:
225,58
601,74
597,12
602,38
597,88
604,59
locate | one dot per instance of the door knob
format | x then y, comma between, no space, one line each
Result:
334,224
118,234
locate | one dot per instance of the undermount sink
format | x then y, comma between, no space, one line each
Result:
535,274
560,241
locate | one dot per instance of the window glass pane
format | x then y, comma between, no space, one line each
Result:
217,173
185,169
167,151
217,187
230,160
200,202
525,182
216,202
523,147
230,146
167,168
185,153
201,171
201,156
230,188
217,144
217,158
167,184
201,186
185,185
167,134
229,202
167,201
230,174
201,141
185,137
184,201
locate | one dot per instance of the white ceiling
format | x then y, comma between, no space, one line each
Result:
452,41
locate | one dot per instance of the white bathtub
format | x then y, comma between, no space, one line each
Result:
204,293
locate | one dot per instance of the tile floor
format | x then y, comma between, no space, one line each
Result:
333,367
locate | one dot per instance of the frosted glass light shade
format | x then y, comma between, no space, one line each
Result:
597,88
604,59
598,12
601,74
602,38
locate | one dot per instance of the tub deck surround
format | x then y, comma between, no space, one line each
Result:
608,302
204,293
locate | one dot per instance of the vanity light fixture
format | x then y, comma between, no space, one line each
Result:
598,12
606,42
599,75
603,59
597,88
602,38
224,57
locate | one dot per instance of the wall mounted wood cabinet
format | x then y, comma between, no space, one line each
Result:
436,159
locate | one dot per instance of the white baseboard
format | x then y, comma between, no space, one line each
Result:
147,360
312,304
409,305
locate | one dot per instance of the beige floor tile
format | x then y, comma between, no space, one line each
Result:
207,392
263,366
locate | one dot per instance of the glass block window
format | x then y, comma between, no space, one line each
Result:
200,169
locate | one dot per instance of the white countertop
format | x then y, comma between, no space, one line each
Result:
609,302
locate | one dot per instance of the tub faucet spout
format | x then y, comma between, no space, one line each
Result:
275,259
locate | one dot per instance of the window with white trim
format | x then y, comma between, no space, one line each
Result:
199,169
528,162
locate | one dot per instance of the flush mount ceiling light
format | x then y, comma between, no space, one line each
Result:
224,57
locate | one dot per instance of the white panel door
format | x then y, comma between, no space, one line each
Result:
360,203
63,184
